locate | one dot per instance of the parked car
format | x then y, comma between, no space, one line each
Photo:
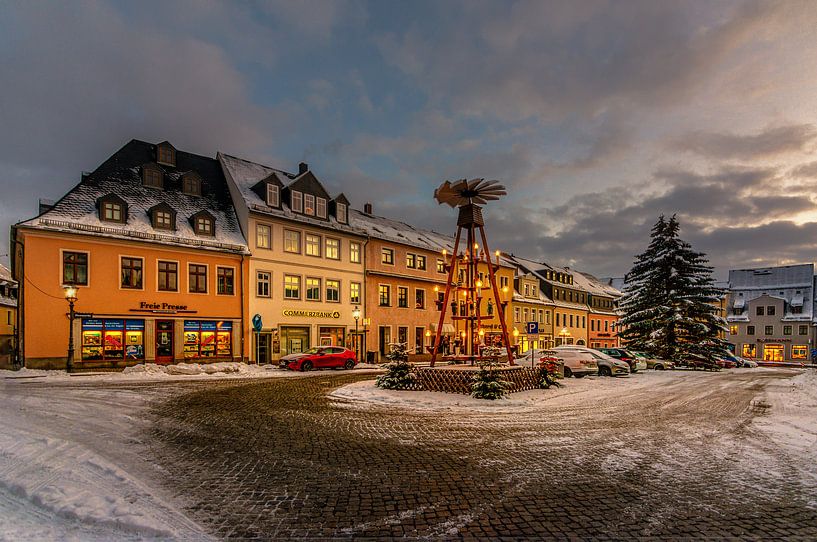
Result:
607,366
654,363
749,363
725,363
541,358
636,364
576,364
319,357
737,360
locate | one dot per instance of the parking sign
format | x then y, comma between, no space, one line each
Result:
532,328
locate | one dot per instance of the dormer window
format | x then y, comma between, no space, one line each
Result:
112,208
341,213
152,176
296,201
166,154
163,217
320,207
309,204
191,184
204,223
272,195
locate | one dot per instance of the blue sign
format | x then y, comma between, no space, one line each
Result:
257,324
532,328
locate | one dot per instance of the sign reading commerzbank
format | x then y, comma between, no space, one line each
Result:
297,313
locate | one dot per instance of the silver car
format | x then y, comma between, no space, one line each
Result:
576,364
607,366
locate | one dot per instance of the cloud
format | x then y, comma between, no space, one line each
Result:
772,141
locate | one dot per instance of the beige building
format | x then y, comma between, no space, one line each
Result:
530,304
306,274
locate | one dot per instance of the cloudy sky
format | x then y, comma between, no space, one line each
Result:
597,115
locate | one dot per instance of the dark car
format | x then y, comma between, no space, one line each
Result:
624,355
319,357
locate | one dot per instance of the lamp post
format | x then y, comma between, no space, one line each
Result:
428,337
563,335
356,316
71,297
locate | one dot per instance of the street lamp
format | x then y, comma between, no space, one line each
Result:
356,316
71,297
428,337
563,335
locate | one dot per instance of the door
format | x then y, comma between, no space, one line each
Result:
419,340
773,352
164,341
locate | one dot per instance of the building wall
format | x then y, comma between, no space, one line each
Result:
601,330
8,317
781,344
516,320
567,330
296,324
44,326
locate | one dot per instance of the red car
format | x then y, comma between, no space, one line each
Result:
319,357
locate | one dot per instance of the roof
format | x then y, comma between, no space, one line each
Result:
5,275
76,212
245,174
763,278
396,231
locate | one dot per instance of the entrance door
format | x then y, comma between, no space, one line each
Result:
164,341
773,352
419,340
264,343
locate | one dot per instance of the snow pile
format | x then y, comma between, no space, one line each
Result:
226,367
791,418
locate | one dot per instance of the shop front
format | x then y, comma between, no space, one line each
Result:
112,339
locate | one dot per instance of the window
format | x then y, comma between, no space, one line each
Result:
802,330
204,225
503,282
526,290
320,207
786,330
112,211
131,272
354,252
333,249
516,312
341,213
571,320
440,266
198,278
533,290
112,339
292,241
191,185
152,177
163,220
402,297
262,283
733,330
272,195
384,293
541,316
332,291
168,276
75,268
312,244
419,299
292,287
354,292
411,261
750,330
749,351
164,155
387,256
769,330
203,339
799,351
525,315
760,311
263,236
309,204
421,263
313,289
296,201
225,280
440,299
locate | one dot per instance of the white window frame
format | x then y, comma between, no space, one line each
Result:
300,286
352,298
327,252
273,195
341,213
326,290
267,281
258,229
286,248
320,207
309,204
383,252
307,245
296,201
355,252
306,288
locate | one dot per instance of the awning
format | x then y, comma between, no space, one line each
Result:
447,328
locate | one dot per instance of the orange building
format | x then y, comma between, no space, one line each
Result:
151,243
602,317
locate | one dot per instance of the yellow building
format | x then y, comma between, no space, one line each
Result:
8,317
530,304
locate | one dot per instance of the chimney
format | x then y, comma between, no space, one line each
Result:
45,205
303,167
367,208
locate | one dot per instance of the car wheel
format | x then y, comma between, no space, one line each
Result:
605,371
568,372
350,364
306,366
659,367
580,376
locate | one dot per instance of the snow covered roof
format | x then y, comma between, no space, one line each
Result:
787,276
77,211
5,275
594,285
7,284
396,231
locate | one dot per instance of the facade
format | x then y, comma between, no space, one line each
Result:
151,243
306,271
771,311
530,304
602,317
8,317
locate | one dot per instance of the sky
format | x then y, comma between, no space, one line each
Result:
598,116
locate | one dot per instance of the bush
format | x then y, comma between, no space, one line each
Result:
487,383
549,374
399,374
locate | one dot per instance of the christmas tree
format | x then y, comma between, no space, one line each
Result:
398,372
487,383
669,305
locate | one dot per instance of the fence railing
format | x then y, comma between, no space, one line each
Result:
459,380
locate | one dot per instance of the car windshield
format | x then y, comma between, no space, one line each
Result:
313,350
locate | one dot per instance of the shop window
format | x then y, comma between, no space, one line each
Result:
419,299
440,266
802,330
384,294
197,279
749,351
309,204
203,339
799,351
387,256
313,289
292,241
131,273
272,195
354,252
769,330
354,292
411,261
262,283
225,280
772,352
75,268
341,213
168,276
292,287
263,236
733,330
296,201
786,330
750,330
402,297
333,249
113,339
320,207
332,291
421,263
312,245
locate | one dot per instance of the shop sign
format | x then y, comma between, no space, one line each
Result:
311,314
774,340
144,305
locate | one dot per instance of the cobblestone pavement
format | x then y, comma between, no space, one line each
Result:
279,459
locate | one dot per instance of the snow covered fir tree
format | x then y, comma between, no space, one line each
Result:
398,371
669,305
